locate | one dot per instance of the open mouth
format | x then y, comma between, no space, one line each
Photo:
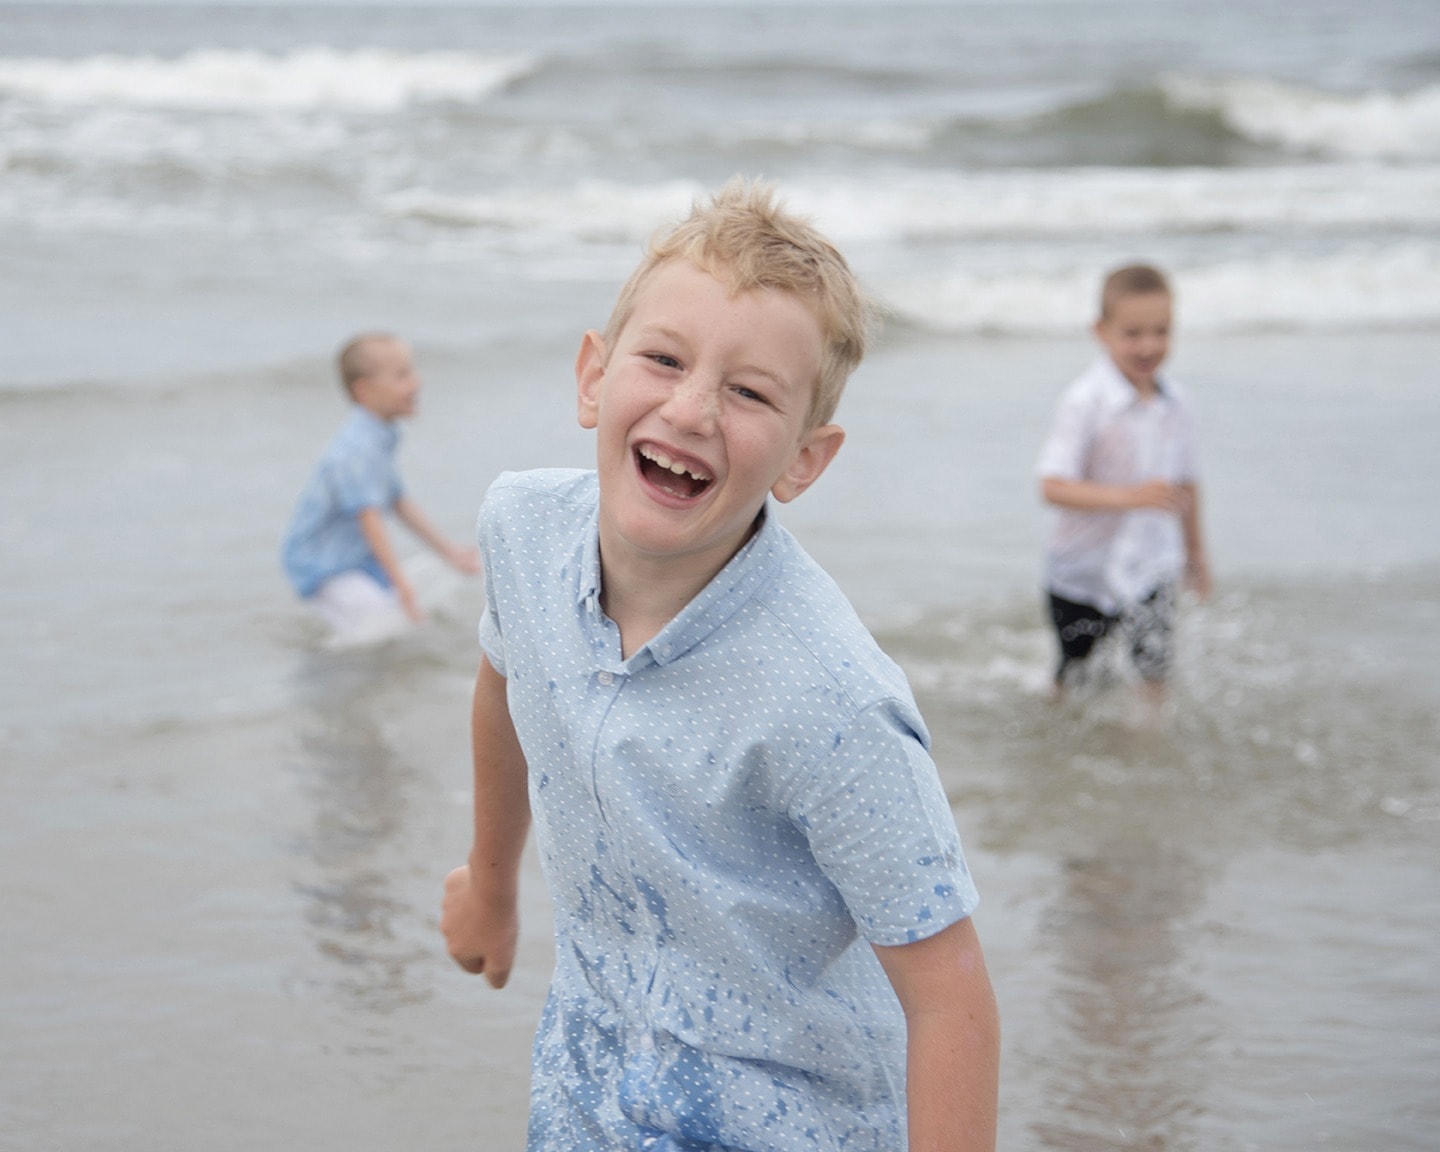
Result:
684,479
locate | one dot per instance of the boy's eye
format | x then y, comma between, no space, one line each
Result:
664,361
749,393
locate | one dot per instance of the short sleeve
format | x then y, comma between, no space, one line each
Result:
362,480
880,828
492,639
1064,452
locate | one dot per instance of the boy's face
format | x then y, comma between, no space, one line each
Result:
700,410
1136,333
391,387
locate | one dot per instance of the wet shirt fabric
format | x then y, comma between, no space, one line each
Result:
726,821
1106,433
356,472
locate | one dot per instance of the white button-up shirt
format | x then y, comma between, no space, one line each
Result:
1106,433
725,820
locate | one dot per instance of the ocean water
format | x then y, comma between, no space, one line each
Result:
223,845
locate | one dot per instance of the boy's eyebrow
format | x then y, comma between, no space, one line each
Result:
653,329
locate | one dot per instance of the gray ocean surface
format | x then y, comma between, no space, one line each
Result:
221,844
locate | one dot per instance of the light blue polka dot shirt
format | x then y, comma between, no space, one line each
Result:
356,472
726,821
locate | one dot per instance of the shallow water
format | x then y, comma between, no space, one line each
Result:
1213,935
226,844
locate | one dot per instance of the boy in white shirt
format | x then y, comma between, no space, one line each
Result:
1120,466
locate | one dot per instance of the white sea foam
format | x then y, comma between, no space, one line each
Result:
1374,124
592,210
1364,285
1352,259
1127,201
930,207
362,81
99,142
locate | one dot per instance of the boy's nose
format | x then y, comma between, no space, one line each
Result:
693,404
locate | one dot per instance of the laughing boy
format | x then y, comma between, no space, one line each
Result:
762,913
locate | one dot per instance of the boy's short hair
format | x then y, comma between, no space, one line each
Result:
355,360
744,237
1131,280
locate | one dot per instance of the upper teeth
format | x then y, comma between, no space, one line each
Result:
664,461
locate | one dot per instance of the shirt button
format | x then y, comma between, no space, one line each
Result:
647,1042
606,678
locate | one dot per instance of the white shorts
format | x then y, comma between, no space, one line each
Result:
358,610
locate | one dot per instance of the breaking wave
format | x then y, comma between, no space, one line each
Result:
370,80
1367,125
1364,286
931,206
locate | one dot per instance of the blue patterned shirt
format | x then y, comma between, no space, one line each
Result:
356,472
726,821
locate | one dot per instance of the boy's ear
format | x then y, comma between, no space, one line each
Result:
817,449
589,371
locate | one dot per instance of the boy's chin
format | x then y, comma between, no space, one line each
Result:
646,536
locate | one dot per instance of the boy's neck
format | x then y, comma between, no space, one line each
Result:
380,416
642,594
1148,387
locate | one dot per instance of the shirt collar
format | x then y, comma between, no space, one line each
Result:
587,591
1117,393
747,572
383,431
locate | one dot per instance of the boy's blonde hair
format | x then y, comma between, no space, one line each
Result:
356,359
1131,280
747,239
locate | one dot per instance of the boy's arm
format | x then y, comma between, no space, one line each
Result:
480,917
953,1045
465,559
372,527
1087,496
1197,563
